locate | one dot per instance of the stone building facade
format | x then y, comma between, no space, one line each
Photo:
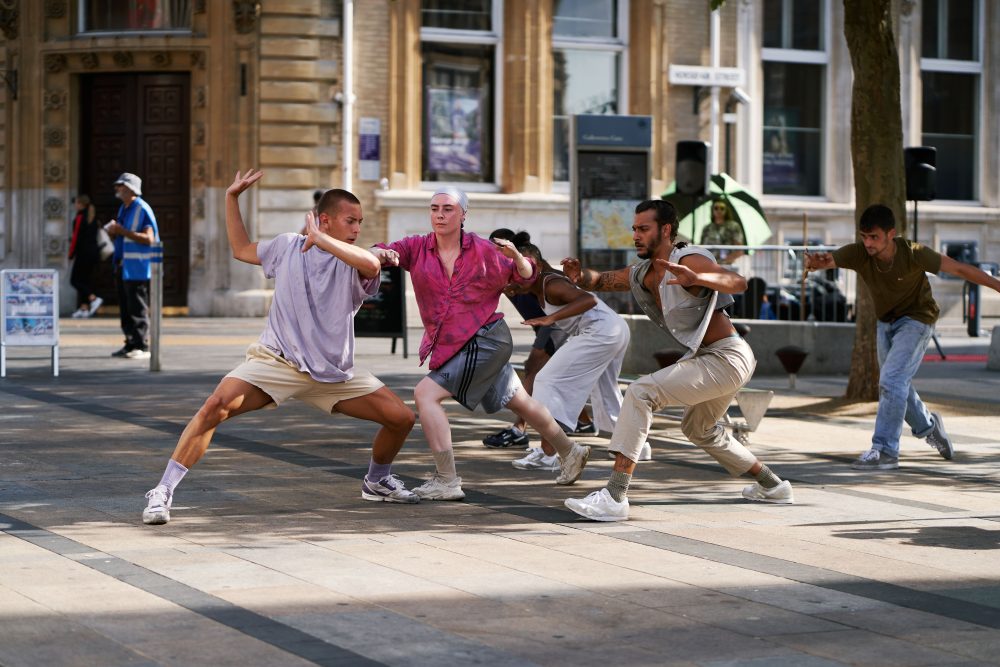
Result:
185,92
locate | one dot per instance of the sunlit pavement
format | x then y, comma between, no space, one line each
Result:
273,558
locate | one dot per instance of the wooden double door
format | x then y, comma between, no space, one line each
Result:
140,123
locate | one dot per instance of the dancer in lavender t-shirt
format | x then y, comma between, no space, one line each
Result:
307,348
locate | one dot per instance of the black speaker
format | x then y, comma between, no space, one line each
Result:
692,159
921,172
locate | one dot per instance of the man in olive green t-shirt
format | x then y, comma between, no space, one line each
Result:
895,272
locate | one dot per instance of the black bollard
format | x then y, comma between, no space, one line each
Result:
791,358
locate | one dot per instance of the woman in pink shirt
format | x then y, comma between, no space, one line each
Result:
457,279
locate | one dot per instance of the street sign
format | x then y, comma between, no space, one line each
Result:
696,75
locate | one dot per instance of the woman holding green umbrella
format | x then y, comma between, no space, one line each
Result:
743,205
724,230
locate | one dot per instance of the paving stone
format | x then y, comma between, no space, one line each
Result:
271,557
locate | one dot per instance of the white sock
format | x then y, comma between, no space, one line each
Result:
172,476
445,462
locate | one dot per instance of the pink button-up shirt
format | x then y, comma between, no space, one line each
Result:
453,309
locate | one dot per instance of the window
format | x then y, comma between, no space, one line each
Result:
795,63
459,50
588,54
138,15
951,72
456,14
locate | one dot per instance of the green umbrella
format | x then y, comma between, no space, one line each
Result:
695,214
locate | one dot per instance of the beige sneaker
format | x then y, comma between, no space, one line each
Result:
572,466
437,489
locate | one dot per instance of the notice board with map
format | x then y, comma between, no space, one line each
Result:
609,176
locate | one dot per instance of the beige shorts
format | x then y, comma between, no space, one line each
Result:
280,380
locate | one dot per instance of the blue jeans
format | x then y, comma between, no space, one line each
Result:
901,348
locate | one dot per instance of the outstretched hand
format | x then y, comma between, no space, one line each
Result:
386,257
241,183
571,267
506,248
682,275
816,260
311,231
544,321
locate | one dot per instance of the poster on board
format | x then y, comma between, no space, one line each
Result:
30,307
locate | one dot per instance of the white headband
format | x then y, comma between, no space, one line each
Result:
454,193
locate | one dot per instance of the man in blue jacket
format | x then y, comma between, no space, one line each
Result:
134,231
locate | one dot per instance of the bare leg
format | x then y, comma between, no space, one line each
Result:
429,395
385,408
624,464
534,363
539,418
232,397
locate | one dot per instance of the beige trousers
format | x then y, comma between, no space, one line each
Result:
705,384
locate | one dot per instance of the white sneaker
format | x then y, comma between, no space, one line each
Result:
137,354
389,489
599,506
779,494
537,460
94,305
437,489
645,454
158,509
572,466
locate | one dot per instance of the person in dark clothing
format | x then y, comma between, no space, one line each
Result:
895,271
86,256
542,348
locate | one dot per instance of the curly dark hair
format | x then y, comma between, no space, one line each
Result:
665,214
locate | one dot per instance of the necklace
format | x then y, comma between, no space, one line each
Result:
887,269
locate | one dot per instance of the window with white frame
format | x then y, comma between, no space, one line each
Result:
588,55
459,44
794,64
134,15
951,72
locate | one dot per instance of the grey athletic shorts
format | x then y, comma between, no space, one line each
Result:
480,373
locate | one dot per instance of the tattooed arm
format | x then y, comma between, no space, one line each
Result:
596,281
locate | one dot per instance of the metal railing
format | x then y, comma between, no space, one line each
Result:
775,285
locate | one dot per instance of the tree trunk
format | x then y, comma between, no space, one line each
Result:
877,156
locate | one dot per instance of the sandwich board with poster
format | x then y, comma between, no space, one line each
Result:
29,315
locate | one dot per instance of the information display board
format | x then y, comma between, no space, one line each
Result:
30,314
609,176
383,315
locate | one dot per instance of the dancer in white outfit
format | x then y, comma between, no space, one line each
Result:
587,364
